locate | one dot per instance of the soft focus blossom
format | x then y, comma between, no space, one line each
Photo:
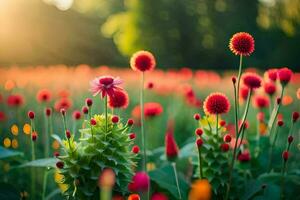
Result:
119,99
269,88
142,61
284,75
107,178
76,115
271,74
200,190
244,91
216,103
159,196
260,101
242,44
244,156
298,93
134,197
2,116
15,100
140,182
151,109
43,95
63,103
251,80
106,85
170,142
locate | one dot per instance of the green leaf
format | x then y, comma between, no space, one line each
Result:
8,191
253,187
53,194
56,137
164,178
45,162
6,153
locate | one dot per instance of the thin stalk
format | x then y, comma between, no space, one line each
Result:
242,136
106,113
275,113
32,129
238,83
143,122
200,163
47,137
176,179
271,149
282,179
45,183
105,193
217,123
257,138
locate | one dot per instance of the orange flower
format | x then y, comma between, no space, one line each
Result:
134,197
200,190
287,100
298,93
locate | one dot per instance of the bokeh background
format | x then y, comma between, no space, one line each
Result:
181,33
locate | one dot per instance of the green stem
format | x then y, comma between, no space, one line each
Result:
32,129
271,149
200,163
176,179
143,122
217,123
105,193
238,83
47,137
45,183
283,179
106,118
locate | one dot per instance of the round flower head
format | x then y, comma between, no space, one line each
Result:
15,100
242,44
107,178
106,85
271,74
76,115
216,103
252,80
244,91
200,189
142,61
159,196
63,103
140,182
261,102
270,88
120,99
43,95
151,109
244,156
284,75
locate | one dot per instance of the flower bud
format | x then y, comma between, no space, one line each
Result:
31,115
227,138
60,165
130,122
89,102
233,79
93,122
199,142
135,149
197,116
132,136
295,116
115,119
290,139
68,134
224,147
285,155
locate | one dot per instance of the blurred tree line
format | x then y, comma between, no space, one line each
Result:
193,33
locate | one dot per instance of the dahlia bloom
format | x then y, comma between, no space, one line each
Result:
106,85
159,196
142,61
216,103
252,80
269,88
284,75
242,44
140,182
15,100
151,109
271,74
170,143
261,102
43,95
119,99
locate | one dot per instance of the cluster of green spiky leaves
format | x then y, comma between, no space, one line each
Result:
95,151
215,161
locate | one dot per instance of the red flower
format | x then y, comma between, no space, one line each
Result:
60,165
290,139
68,134
197,116
106,85
93,122
142,61
130,122
31,114
43,95
284,75
272,74
85,110
2,116
280,123
261,102
260,116
227,138
285,155
15,100
135,149
224,147
151,109
34,136
222,123
89,102
159,196
295,116
252,80
150,85
115,119
199,142
244,91
170,142
140,182
199,131
244,156
216,103
242,44
132,136
63,103
119,99
76,115
270,88
48,111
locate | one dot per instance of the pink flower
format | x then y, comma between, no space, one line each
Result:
105,85
140,182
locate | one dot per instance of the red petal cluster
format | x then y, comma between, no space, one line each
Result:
15,100
252,80
142,61
119,99
270,88
284,75
242,44
140,182
261,102
151,109
170,143
43,95
216,103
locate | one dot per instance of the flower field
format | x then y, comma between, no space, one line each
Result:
78,132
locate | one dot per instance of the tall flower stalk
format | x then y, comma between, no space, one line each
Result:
143,123
33,134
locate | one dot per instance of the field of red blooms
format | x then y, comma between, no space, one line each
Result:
77,132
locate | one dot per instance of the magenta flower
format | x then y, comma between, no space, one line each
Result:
105,85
